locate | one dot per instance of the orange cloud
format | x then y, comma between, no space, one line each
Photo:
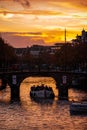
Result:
44,20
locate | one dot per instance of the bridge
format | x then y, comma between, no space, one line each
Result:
15,78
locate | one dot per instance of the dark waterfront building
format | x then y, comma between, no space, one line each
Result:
36,50
80,39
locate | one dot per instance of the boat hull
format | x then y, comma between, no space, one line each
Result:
42,94
78,108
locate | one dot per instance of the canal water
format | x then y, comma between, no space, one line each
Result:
42,114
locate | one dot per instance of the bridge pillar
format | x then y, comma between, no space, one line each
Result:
15,92
63,89
63,92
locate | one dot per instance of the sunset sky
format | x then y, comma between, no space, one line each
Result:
28,22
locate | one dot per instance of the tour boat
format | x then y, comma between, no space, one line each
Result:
41,92
78,107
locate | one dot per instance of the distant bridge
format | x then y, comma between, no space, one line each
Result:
15,78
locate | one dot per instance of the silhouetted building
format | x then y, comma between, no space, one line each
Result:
84,36
80,38
21,51
36,50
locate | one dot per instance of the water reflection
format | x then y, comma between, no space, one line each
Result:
77,95
42,114
43,101
5,94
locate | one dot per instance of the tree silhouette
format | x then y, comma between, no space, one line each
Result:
7,54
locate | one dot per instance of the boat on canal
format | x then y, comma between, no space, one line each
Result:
78,107
42,92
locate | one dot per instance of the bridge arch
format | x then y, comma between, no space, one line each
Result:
35,76
15,85
27,83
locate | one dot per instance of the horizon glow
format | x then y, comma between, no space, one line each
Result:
41,22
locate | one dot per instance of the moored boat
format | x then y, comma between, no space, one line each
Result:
41,92
78,108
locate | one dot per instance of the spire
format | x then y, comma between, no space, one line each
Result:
83,29
65,35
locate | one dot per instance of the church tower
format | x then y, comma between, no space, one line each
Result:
83,35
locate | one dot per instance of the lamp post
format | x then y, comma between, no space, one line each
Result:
65,35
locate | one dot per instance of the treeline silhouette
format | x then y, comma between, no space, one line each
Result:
7,54
68,57
72,56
